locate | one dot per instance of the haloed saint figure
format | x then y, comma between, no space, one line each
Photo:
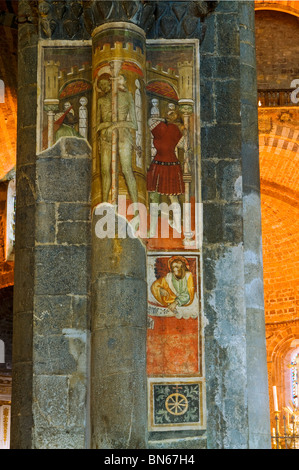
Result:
176,289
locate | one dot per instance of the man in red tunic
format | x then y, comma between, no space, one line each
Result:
165,174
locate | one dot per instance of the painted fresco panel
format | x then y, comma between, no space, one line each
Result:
173,147
151,106
118,115
175,339
65,83
174,314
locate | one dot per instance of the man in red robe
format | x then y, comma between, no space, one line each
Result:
165,174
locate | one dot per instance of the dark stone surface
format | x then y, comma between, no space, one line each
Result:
222,141
117,256
60,180
6,326
62,270
116,301
53,313
45,229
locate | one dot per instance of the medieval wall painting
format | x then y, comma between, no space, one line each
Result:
145,133
137,103
172,145
65,83
174,341
176,392
119,114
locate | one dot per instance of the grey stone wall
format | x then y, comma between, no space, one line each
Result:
223,264
57,343
118,343
61,321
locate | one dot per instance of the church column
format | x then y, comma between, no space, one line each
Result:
258,397
118,316
24,279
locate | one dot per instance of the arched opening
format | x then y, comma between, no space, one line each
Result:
278,146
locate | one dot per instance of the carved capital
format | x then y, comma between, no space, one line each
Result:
76,19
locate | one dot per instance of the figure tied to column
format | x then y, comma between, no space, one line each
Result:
114,134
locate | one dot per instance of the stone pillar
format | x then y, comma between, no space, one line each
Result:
119,290
257,377
22,370
223,257
50,399
233,290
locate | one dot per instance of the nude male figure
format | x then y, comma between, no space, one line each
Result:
126,121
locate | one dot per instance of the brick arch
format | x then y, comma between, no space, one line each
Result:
283,335
280,337
290,7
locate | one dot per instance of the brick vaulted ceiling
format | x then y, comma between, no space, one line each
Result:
286,6
279,178
279,167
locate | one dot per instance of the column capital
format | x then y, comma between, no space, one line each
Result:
76,19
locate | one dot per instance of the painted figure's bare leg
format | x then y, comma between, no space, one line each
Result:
154,212
105,155
125,154
177,216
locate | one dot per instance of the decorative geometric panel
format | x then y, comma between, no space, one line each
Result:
175,403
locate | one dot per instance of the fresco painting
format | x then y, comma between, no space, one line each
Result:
172,147
175,324
65,98
135,102
118,115
175,404
174,340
